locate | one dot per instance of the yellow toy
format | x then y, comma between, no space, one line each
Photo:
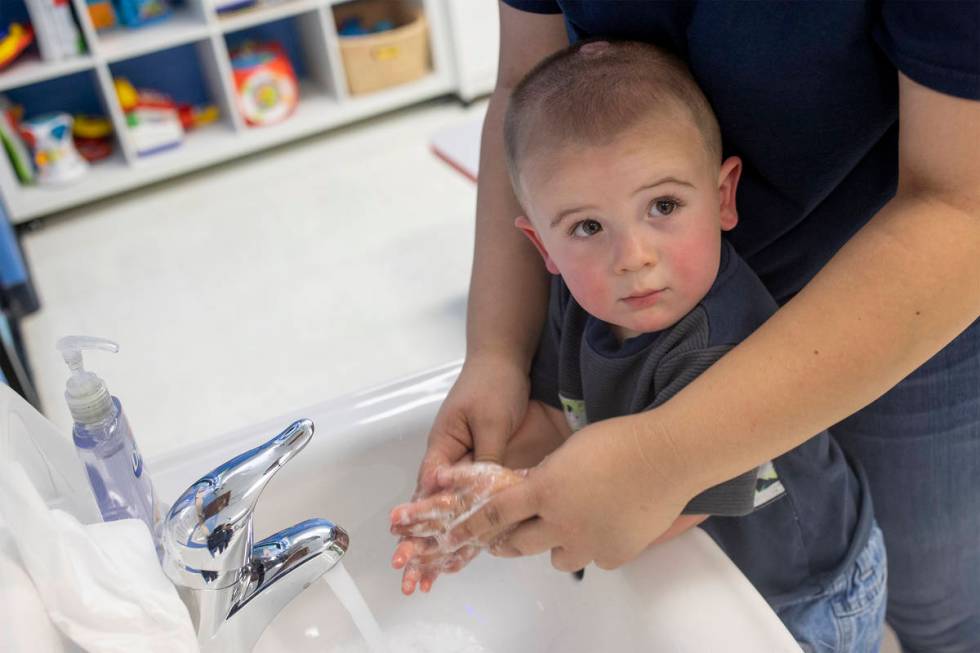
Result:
14,41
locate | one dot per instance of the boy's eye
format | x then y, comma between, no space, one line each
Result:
663,206
586,228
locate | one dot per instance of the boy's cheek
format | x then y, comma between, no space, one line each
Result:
589,291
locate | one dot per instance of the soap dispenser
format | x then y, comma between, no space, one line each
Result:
105,443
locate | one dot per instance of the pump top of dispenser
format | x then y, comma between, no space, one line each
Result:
87,395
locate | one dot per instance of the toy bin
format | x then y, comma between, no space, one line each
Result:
376,60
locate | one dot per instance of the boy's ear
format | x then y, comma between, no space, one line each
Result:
522,223
731,170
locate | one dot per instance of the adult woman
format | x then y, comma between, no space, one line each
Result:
865,227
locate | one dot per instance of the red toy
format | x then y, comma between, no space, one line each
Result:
266,84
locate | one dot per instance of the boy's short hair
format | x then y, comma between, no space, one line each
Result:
593,91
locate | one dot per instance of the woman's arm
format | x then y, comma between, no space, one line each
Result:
508,288
903,287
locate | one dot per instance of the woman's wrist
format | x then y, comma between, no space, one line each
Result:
502,357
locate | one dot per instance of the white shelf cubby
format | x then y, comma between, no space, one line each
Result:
314,49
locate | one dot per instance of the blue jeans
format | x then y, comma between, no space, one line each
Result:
920,447
848,616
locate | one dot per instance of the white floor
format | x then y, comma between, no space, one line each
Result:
251,289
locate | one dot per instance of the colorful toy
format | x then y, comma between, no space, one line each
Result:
152,118
54,29
155,121
223,6
20,158
55,157
354,26
267,90
192,117
136,13
93,137
102,14
12,42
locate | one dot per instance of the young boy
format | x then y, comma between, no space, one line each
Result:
616,158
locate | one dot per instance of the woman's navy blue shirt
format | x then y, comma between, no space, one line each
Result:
807,95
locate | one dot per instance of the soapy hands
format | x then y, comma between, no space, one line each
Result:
601,497
426,549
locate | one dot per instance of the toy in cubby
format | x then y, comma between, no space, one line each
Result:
266,88
55,30
13,41
50,138
13,144
155,121
93,137
354,26
46,148
136,13
101,13
227,6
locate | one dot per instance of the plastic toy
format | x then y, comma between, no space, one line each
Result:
136,13
20,158
54,29
267,90
223,6
354,26
16,38
128,97
93,137
55,157
192,117
152,118
102,14
91,127
155,121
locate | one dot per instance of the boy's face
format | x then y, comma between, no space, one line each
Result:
633,227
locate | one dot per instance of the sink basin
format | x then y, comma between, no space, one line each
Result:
685,595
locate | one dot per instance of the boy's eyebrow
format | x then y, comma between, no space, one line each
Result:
561,216
664,180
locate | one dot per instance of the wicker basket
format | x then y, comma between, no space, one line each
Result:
389,58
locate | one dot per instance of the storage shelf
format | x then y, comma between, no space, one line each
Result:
29,69
124,43
48,199
324,103
316,112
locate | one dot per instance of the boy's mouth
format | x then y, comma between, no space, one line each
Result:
643,298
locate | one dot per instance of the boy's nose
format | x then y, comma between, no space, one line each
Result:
633,254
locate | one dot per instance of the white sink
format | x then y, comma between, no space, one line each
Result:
682,596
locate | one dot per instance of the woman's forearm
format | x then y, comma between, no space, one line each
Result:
904,286
508,287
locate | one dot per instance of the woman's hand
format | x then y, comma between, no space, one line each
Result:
481,413
597,498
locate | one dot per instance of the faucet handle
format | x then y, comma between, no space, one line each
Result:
207,535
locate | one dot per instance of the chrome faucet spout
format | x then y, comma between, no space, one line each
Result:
233,587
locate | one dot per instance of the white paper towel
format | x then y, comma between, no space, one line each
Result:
101,584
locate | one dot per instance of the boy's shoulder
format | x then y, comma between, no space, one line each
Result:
737,303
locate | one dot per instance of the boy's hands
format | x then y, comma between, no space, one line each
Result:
482,411
423,551
597,498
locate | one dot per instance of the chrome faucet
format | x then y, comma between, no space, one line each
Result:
233,587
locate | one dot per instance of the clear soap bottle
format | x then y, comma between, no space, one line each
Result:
105,443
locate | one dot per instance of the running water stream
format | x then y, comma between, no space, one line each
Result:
418,637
